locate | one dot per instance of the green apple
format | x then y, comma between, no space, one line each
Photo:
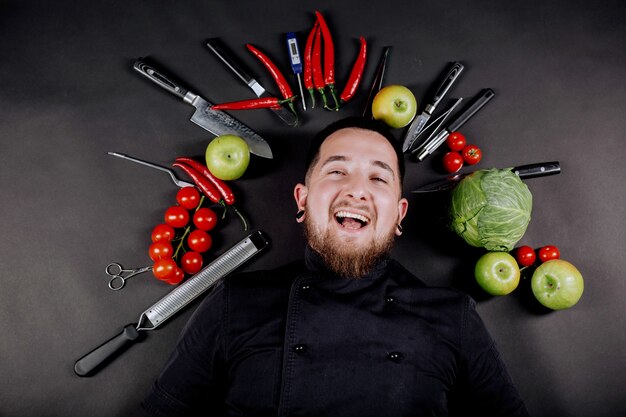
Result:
395,105
227,157
557,284
497,273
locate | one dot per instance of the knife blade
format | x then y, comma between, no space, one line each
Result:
228,58
541,169
377,83
430,145
216,122
419,122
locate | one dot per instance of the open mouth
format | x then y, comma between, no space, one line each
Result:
350,220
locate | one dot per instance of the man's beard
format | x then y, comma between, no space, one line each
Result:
343,258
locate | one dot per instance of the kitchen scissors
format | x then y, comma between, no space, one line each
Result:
119,275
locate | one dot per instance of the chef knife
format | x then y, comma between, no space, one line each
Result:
227,57
419,122
216,122
377,83
523,171
430,145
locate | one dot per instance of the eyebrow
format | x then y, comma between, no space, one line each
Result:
377,163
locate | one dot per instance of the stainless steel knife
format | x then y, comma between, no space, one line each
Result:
433,143
216,122
523,171
227,57
419,122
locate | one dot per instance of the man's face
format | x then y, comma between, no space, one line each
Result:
352,198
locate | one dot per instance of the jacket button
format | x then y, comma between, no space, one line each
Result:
305,287
390,299
395,356
300,348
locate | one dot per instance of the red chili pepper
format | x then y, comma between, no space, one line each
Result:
308,65
356,74
329,57
210,186
316,58
254,103
274,71
221,186
207,188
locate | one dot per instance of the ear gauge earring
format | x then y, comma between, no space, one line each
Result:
400,229
299,214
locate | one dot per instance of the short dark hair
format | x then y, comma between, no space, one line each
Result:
359,123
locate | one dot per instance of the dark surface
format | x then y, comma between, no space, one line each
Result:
69,95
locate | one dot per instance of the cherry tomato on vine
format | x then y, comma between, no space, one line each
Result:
452,162
525,256
191,262
178,277
160,250
472,154
163,233
188,197
164,269
177,216
205,219
549,252
456,141
199,241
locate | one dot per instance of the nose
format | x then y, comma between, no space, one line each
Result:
356,188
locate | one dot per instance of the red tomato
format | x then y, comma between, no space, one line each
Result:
525,256
456,141
163,233
164,269
160,250
188,197
191,262
178,277
549,252
472,154
177,216
452,162
205,219
199,241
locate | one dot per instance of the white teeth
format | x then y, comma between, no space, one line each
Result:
359,217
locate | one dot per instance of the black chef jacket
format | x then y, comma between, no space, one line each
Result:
300,341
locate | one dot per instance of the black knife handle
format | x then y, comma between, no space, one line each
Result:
537,170
483,97
227,57
446,83
159,78
377,82
88,363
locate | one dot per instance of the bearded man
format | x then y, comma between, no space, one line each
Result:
347,331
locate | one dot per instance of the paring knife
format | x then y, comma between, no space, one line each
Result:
174,301
216,122
419,122
523,171
431,144
227,57
378,81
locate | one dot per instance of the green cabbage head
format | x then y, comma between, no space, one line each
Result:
491,208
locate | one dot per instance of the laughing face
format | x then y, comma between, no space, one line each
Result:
352,200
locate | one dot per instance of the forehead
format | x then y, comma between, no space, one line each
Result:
359,144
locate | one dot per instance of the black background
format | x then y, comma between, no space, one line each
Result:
69,95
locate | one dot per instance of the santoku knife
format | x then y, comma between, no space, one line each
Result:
237,68
216,122
419,122
523,171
